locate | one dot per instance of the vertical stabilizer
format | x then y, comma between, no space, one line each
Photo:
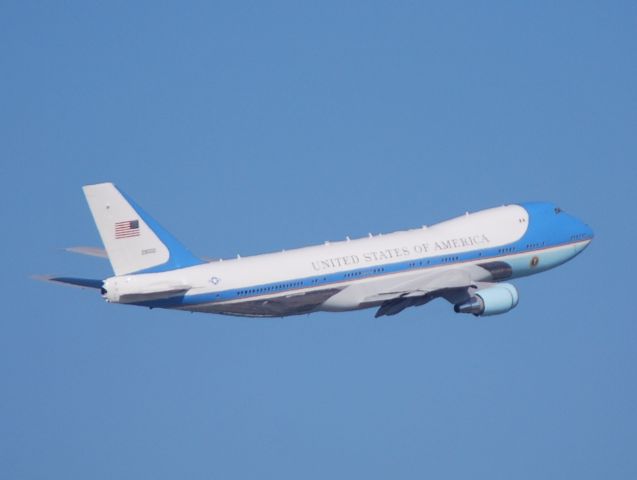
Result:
134,241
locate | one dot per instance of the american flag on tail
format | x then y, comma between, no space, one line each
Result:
129,228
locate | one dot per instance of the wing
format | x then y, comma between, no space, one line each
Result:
454,285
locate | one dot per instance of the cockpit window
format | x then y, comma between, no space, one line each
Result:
557,210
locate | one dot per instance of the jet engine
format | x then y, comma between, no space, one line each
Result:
490,301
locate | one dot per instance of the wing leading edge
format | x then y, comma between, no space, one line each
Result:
456,286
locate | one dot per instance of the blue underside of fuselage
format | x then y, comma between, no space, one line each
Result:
547,229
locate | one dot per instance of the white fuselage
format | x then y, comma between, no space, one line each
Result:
345,275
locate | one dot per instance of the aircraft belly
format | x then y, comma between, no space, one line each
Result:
293,304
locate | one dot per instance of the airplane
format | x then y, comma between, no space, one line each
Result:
468,261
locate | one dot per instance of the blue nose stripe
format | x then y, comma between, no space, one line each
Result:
551,225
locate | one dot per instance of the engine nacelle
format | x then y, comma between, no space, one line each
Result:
490,301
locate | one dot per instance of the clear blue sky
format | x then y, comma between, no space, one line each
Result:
251,127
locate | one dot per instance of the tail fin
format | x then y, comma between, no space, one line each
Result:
134,241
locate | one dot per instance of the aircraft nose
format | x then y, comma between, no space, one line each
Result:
580,229
588,234
585,233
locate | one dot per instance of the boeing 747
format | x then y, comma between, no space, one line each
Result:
468,261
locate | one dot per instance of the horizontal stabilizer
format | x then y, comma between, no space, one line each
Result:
90,251
72,281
